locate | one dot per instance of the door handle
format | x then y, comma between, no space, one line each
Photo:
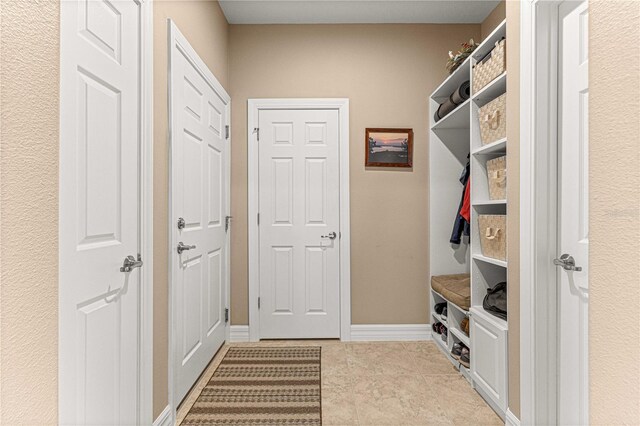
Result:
130,263
567,262
331,236
182,247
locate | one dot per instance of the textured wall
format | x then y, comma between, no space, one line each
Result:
614,258
388,72
206,28
513,195
29,211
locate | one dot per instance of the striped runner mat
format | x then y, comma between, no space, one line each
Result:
262,386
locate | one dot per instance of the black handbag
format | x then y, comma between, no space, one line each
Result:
495,302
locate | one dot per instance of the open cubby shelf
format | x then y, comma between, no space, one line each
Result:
454,140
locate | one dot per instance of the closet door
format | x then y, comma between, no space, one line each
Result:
489,358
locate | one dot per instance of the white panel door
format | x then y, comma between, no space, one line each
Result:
299,225
573,286
199,204
100,145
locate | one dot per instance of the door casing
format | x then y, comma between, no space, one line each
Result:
145,331
178,41
253,108
539,47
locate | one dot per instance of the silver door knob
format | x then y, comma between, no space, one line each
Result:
130,263
182,247
567,262
331,236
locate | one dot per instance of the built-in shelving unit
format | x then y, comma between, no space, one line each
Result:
454,139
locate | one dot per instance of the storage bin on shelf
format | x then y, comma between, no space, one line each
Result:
497,176
493,235
490,67
493,120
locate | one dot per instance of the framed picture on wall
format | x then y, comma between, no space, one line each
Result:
389,147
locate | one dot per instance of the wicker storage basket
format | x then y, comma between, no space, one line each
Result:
493,120
493,235
497,176
491,66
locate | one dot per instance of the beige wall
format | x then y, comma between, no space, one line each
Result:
206,28
495,17
29,210
614,258
387,72
513,195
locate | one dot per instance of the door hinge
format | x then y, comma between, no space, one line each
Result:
256,130
258,219
227,223
258,303
226,131
226,315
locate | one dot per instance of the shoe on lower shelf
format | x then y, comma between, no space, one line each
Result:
457,350
464,325
465,357
436,327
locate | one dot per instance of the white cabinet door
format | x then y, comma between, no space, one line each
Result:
99,211
199,179
299,198
489,358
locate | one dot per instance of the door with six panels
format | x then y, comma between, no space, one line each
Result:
199,198
299,204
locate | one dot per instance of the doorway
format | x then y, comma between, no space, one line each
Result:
199,215
299,219
554,213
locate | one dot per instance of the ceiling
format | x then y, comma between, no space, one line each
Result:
357,11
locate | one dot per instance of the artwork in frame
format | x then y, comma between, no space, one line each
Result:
389,147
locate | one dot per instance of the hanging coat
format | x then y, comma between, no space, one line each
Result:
460,224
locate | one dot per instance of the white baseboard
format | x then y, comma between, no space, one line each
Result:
511,419
239,333
390,332
164,419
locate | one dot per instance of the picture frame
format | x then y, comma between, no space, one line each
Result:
387,147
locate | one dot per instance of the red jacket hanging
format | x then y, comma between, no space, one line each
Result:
465,211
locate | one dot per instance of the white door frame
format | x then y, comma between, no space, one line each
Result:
253,108
145,331
180,42
539,49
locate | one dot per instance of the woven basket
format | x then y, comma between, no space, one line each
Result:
497,176
493,235
493,120
491,66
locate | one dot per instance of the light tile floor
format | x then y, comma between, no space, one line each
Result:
370,384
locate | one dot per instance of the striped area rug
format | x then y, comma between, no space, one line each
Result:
262,386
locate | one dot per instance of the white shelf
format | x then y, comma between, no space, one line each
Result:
456,119
440,318
497,147
490,260
489,203
497,322
489,42
491,91
443,345
451,83
459,334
